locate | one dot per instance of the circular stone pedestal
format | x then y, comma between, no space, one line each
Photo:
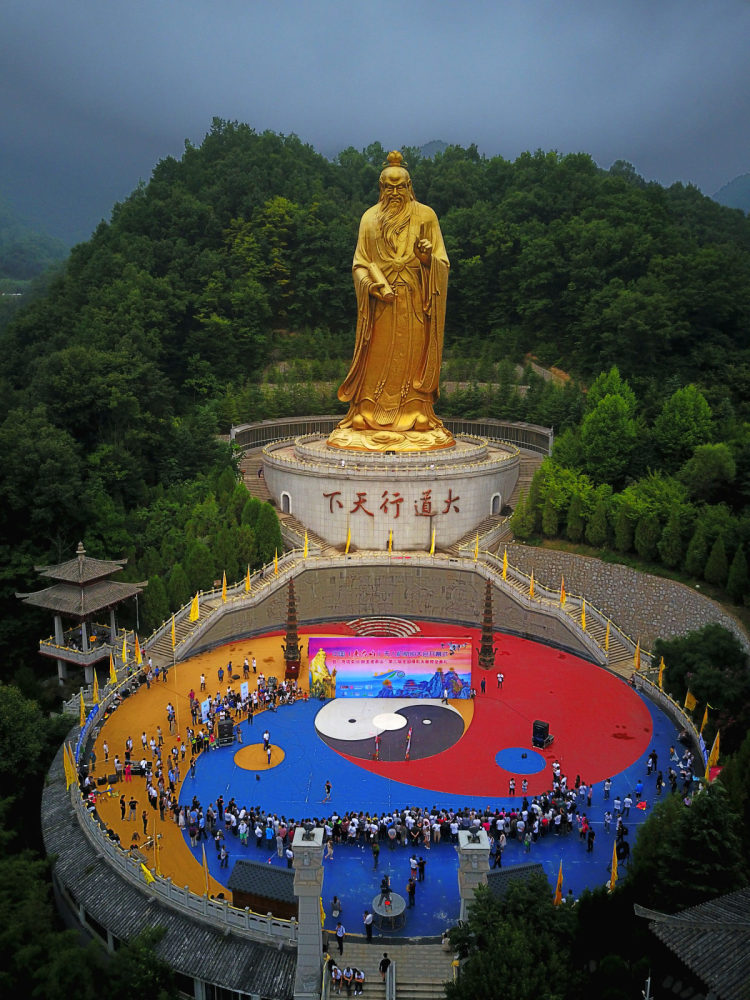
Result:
334,492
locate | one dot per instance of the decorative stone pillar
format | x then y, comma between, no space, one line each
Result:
59,634
62,671
88,673
473,865
84,638
112,626
308,887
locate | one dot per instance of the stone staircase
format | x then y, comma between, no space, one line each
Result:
160,649
421,969
250,464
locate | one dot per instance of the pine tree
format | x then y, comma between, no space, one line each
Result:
738,582
624,530
697,552
519,521
597,528
716,569
575,524
647,536
550,520
670,547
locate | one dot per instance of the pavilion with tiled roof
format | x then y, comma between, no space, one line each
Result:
712,940
82,590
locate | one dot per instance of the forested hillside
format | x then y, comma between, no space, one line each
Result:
221,291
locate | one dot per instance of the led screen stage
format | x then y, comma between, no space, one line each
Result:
385,667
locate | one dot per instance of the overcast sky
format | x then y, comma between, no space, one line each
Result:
94,92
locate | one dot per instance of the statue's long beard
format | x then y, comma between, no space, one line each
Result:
393,218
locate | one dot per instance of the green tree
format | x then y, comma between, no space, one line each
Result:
646,539
671,546
611,383
178,588
575,524
716,569
609,435
738,581
268,534
686,856
597,528
200,567
550,521
684,422
624,528
519,519
709,471
155,602
697,552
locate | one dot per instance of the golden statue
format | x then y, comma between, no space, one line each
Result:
401,280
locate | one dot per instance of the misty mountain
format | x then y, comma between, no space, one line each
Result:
735,194
25,252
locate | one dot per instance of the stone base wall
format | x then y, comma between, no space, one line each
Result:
345,590
645,607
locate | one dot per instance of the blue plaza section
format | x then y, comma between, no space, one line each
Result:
295,789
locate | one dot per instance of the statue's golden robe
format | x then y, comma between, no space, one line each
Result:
394,377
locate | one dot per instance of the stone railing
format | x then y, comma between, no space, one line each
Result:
528,436
216,913
673,709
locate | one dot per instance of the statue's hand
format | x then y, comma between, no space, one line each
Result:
423,250
383,292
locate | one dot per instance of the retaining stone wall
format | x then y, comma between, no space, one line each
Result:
645,607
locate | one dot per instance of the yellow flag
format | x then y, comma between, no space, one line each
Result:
432,543
690,701
304,553
705,717
505,564
276,562
583,615
247,580
562,592
637,655
194,610
205,868
70,771
95,694
558,889
713,757
613,876
707,775
83,711
124,648
112,671
390,541
174,637
662,668
224,586
531,584
348,541
322,912
138,656
606,638
147,875
476,548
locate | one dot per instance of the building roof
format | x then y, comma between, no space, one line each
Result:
712,940
82,569
499,879
80,601
261,879
191,946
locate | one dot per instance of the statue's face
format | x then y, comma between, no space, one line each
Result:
395,187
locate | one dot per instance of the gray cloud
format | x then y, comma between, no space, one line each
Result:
95,93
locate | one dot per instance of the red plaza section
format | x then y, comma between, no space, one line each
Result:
600,725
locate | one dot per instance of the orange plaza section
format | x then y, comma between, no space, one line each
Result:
146,710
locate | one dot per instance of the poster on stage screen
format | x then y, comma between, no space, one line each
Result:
387,667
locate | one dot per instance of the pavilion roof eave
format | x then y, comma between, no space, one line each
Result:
80,602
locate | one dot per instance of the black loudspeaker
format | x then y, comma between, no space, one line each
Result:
226,732
540,736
